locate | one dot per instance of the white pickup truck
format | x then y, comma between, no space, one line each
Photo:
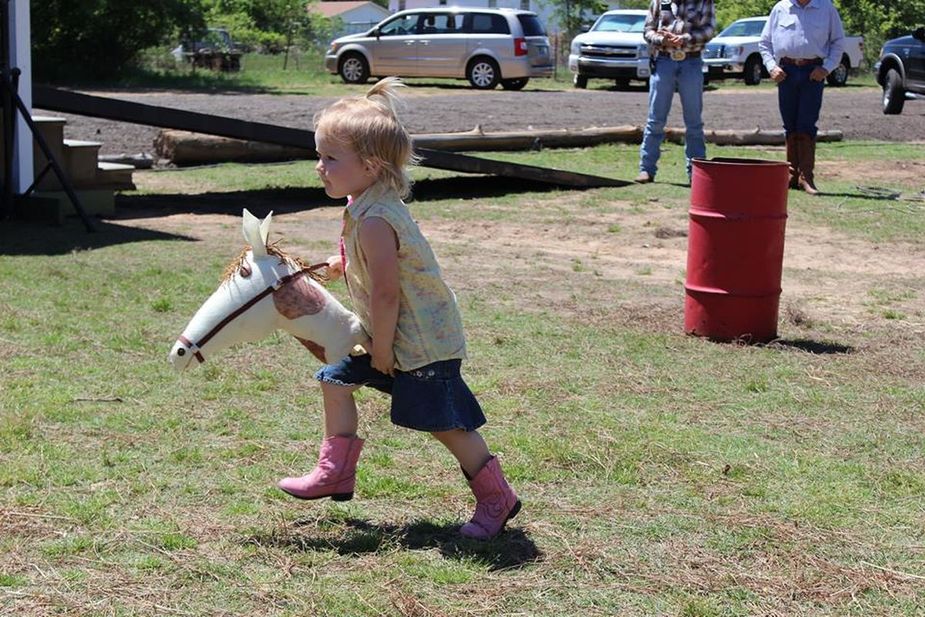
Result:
613,48
734,53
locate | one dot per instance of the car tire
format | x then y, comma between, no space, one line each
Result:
621,83
580,81
483,73
354,69
894,97
514,84
839,76
753,70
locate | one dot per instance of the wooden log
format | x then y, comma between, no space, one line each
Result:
186,148
476,139
754,137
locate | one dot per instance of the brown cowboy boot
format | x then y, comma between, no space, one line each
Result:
806,148
794,159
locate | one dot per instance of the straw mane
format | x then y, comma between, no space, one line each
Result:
273,249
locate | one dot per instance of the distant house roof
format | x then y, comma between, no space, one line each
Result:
339,7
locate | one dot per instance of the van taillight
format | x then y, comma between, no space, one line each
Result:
520,47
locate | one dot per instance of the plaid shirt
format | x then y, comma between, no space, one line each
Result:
694,20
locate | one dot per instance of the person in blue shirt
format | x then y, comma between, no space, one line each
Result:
802,42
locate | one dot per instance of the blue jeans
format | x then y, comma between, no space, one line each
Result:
800,99
687,76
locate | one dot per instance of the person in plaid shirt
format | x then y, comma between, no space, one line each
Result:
676,31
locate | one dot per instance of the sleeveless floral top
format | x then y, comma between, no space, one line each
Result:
429,325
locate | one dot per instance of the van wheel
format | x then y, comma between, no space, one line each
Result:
753,71
354,69
580,81
514,84
894,97
483,73
839,76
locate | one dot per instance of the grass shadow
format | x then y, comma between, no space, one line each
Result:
296,199
26,238
353,536
810,346
29,238
146,82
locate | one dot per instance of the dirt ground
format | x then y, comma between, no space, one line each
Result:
821,288
854,110
825,296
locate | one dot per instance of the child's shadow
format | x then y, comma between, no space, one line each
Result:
351,536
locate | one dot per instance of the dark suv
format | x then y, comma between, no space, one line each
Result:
901,70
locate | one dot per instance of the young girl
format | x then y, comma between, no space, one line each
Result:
397,290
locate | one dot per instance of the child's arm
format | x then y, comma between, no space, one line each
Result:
380,246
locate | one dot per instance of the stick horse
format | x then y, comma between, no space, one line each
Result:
263,290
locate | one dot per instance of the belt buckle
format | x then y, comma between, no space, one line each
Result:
677,54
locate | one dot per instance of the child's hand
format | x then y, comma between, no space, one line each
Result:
383,360
335,267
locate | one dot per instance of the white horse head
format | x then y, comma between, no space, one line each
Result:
265,290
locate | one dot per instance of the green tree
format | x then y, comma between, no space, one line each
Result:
265,24
101,38
876,20
880,20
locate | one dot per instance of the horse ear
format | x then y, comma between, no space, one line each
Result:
254,234
265,228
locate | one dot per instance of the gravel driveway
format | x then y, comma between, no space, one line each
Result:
854,110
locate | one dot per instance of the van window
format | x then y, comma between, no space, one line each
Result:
400,26
441,23
532,25
488,23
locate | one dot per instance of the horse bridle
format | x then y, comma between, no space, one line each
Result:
196,347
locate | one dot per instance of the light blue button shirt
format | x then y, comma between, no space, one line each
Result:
811,31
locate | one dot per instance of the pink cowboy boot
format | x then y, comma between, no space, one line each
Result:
496,502
335,474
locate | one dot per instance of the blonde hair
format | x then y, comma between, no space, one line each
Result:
369,125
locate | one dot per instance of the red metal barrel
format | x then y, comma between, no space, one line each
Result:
735,248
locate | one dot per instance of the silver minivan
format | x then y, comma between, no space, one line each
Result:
485,46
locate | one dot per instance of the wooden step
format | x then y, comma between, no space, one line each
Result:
80,159
114,176
95,202
52,129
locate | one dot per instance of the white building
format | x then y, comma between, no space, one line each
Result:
353,15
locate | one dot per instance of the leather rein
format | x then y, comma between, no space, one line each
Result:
196,347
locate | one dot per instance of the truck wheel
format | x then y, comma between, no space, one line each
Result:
753,71
621,83
580,81
483,73
514,84
354,69
894,97
839,76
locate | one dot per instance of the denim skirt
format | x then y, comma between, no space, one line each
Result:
431,398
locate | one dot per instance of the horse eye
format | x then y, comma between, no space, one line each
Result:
245,271
181,352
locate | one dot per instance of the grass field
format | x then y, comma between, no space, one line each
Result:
661,474
303,73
